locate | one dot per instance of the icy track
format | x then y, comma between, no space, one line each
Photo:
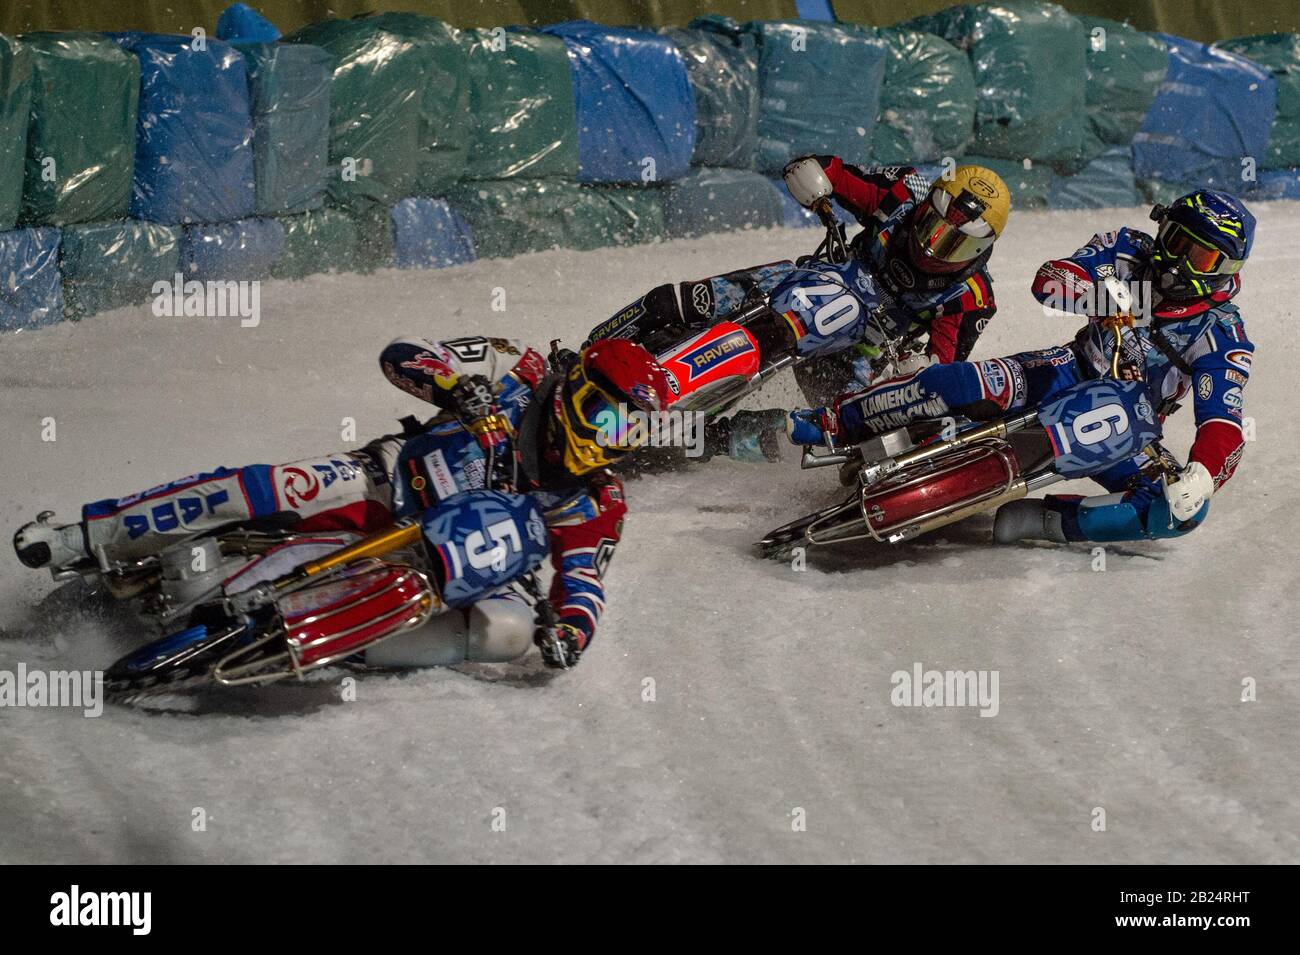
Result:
1118,689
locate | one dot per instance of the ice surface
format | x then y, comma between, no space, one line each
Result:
772,687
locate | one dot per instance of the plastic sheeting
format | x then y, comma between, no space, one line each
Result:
15,105
1278,53
399,118
1030,187
636,112
1125,68
521,100
1277,184
31,289
194,152
1213,110
795,216
722,65
289,93
232,251
637,213
528,215
720,200
81,138
1029,63
110,264
927,102
820,85
323,240
1106,181
429,234
240,23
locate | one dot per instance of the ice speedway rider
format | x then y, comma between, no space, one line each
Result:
509,420
928,246
1195,341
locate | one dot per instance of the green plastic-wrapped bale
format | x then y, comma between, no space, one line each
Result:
521,101
721,200
81,138
111,264
15,106
512,216
927,101
1029,61
1280,54
320,240
1125,68
638,213
399,118
289,98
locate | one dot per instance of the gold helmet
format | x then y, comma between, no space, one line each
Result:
959,220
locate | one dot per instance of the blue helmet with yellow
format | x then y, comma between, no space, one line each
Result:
1203,240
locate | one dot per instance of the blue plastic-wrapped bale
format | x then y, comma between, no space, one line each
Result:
240,23
820,89
1213,111
1277,184
194,139
31,289
15,107
111,264
1279,53
289,94
720,200
430,234
636,112
1106,181
241,251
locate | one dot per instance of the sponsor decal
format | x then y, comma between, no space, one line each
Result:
444,482
1235,376
710,354
503,345
1240,358
982,187
995,381
299,486
702,298
423,392
604,554
427,363
673,385
470,349
1233,399
901,274
1204,387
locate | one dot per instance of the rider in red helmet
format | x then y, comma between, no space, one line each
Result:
509,421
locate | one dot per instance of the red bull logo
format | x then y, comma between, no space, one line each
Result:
431,365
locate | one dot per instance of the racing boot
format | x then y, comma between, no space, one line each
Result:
1029,519
57,546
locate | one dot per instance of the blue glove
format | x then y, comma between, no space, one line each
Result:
809,425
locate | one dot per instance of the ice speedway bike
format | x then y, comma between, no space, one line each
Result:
916,479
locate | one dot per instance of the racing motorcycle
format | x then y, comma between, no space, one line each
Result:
824,303
915,479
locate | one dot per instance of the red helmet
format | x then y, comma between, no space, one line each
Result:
608,374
